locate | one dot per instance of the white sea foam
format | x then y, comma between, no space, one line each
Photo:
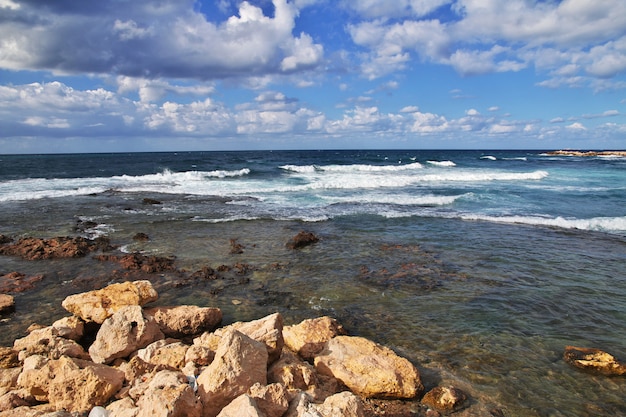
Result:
489,157
442,163
604,224
352,168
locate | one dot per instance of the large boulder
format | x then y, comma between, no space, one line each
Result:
69,383
242,406
271,399
123,333
267,330
309,337
594,360
183,321
369,369
101,304
240,362
344,404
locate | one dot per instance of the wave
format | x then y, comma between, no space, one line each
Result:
351,168
600,224
400,199
489,157
442,163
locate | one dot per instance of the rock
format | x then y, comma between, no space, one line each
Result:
169,395
199,355
141,237
242,406
32,248
161,352
8,358
8,377
151,201
268,330
70,327
302,406
7,303
240,362
185,320
47,342
344,404
17,398
100,304
297,375
270,399
594,360
139,262
79,390
122,408
68,383
445,399
301,240
17,282
136,368
123,333
310,336
368,369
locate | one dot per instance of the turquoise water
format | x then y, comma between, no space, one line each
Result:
480,270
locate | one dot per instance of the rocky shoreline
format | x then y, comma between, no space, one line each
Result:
115,357
567,152
119,354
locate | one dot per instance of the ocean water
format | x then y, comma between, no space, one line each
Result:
479,266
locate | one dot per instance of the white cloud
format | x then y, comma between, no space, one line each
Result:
576,126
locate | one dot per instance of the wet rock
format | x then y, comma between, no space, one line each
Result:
302,239
594,360
15,282
7,303
240,362
182,321
32,248
5,239
139,262
123,333
368,369
151,201
310,336
100,304
206,272
141,237
445,399
235,247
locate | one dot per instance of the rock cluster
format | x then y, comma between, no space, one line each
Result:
124,360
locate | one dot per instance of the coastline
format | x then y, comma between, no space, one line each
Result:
566,152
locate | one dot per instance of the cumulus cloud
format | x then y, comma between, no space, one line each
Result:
152,40
572,38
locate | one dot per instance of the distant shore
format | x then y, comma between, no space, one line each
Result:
586,153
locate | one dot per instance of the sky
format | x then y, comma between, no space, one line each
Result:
178,75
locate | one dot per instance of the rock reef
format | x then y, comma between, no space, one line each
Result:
117,358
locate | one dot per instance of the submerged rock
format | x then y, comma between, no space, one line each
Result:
18,282
7,303
302,239
594,360
32,248
445,399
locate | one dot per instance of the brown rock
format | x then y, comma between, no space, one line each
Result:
123,333
168,353
7,303
301,240
199,355
122,408
270,399
32,248
17,282
309,337
169,395
46,341
139,262
445,399
185,320
368,369
8,358
594,360
100,304
17,398
240,362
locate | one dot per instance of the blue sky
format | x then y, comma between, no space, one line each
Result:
146,75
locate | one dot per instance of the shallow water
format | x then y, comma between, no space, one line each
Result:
486,305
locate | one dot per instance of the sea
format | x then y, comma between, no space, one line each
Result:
478,266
